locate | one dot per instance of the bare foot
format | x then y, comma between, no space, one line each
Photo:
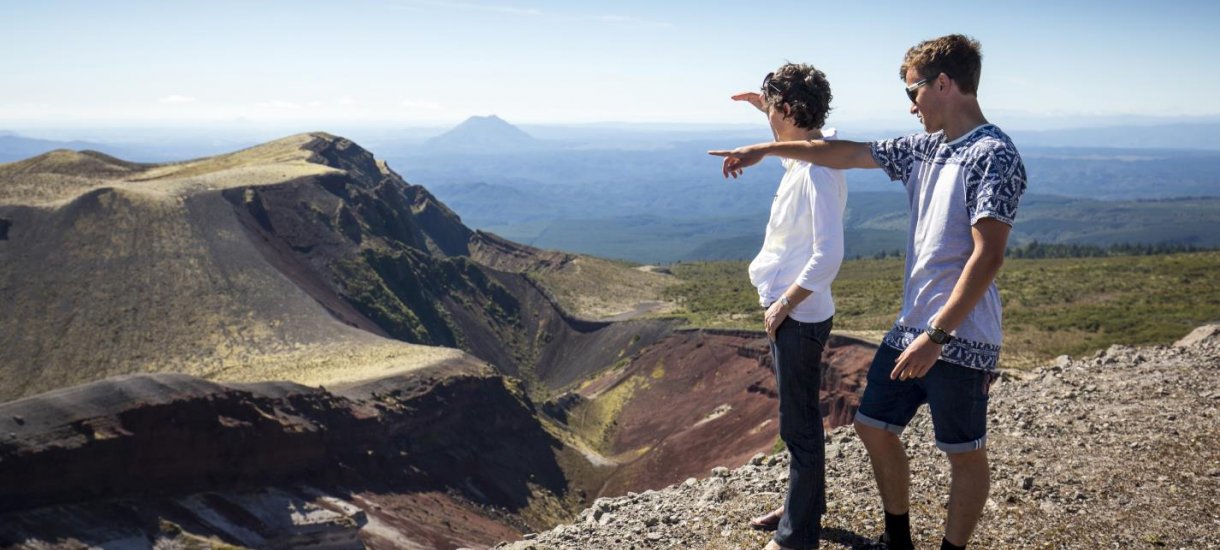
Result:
768,521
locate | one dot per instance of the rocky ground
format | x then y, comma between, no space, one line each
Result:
1117,450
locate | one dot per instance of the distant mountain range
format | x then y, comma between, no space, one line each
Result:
152,147
16,147
491,136
1202,135
645,193
664,205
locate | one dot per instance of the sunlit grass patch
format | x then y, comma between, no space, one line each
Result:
1052,307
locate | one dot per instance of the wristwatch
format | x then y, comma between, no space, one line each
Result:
783,301
938,335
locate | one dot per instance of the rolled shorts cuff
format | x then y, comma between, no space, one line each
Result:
881,425
956,448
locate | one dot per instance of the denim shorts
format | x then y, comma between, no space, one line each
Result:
956,395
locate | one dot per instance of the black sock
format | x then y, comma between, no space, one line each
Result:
946,545
898,531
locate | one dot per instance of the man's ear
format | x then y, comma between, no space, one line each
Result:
943,82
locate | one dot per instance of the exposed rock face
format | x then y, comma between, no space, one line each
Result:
386,463
845,372
698,399
493,251
1198,336
408,266
1115,451
133,442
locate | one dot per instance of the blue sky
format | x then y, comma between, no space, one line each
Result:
427,62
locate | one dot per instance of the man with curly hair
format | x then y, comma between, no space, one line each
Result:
800,257
964,179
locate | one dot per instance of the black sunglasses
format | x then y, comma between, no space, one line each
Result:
914,88
768,85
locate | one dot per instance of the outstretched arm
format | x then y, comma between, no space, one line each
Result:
753,98
838,154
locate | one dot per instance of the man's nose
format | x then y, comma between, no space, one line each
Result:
914,108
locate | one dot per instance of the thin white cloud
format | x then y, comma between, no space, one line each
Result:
421,105
279,104
345,100
175,98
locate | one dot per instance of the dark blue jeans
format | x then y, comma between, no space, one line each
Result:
796,354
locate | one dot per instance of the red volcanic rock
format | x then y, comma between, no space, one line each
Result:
706,398
844,375
456,432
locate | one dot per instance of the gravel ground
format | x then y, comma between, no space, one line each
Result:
1117,450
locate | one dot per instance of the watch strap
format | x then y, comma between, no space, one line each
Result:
938,335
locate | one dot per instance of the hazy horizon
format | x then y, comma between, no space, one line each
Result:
251,131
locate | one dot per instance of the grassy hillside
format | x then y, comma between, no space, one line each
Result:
109,267
1052,307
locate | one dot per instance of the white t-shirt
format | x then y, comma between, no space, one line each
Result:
950,186
804,242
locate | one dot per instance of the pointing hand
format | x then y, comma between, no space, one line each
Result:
737,160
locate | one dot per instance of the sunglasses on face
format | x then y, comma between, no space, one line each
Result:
914,88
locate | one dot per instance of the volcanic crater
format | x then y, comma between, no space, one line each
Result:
195,347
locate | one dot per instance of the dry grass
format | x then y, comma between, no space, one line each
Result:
593,288
338,363
141,272
54,178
